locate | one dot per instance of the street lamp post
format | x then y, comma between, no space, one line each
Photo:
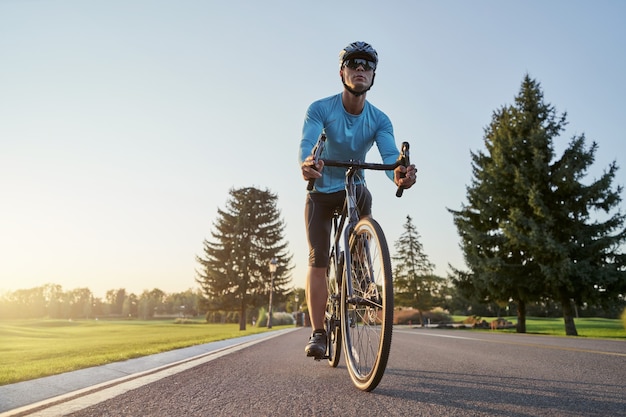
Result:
273,264
296,309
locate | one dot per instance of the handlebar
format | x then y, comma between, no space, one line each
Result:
361,165
403,160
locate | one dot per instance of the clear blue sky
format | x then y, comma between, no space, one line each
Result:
123,124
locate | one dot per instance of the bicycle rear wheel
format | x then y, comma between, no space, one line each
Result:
367,313
331,318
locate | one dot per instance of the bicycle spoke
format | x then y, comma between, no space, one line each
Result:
333,328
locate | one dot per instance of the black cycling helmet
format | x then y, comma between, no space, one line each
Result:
358,49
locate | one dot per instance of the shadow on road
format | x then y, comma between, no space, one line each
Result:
505,395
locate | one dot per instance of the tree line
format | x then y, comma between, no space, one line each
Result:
51,301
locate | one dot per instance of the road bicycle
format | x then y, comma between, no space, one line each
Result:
359,310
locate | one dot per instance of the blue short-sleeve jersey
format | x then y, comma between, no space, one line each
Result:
348,137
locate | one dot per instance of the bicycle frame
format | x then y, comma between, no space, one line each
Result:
350,213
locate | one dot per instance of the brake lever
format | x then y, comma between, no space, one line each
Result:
404,161
317,152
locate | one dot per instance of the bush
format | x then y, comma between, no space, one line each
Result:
222,317
278,318
473,319
477,322
184,321
624,318
406,316
412,316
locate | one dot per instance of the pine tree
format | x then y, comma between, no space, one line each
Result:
501,267
578,253
527,231
235,271
414,281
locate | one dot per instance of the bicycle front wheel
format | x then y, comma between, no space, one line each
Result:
367,305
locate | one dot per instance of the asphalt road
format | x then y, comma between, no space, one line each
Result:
430,373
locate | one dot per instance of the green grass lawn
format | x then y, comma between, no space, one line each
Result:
586,327
35,348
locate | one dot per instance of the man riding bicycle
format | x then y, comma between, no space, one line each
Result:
352,126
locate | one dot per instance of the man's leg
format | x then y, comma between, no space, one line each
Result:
316,295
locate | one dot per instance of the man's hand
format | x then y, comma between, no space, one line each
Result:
311,171
405,177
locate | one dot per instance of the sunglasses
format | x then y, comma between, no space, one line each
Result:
354,63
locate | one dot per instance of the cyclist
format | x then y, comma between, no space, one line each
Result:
352,126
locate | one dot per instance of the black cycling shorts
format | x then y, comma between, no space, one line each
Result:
318,215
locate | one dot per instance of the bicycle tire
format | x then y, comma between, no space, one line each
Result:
333,329
367,315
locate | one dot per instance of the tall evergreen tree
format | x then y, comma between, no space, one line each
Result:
415,283
527,230
500,269
579,255
235,273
